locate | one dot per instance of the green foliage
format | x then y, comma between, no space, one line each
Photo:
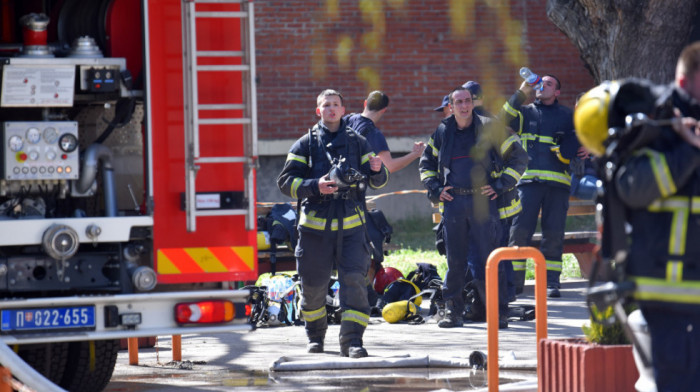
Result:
570,267
596,332
405,260
416,240
414,234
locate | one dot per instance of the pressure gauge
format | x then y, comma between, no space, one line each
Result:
33,155
50,135
33,135
68,142
15,143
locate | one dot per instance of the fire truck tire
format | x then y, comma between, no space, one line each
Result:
49,359
89,369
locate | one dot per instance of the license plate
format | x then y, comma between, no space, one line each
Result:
42,319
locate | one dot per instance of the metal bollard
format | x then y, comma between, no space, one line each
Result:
133,344
177,347
492,302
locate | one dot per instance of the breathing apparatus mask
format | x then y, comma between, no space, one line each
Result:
345,176
612,118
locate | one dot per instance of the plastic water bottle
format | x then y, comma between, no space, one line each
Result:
530,77
287,284
272,288
335,287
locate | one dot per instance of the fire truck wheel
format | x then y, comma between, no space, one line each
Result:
89,370
49,359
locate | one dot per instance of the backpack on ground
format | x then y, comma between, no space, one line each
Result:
423,275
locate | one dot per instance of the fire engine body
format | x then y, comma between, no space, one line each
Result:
127,175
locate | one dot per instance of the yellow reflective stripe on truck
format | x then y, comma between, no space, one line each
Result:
205,260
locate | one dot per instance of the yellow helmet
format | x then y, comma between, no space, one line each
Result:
591,116
606,107
399,311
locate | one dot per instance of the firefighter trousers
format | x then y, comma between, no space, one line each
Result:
553,201
675,338
316,255
466,225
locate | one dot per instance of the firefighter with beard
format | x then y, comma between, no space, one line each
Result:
657,181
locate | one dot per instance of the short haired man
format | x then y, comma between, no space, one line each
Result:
659,186
508,202
365,124
457,170
331,222
546,129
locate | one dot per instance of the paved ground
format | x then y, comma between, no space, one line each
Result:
223,361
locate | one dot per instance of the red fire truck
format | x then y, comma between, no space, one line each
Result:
127,176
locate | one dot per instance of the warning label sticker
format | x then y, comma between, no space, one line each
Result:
37,85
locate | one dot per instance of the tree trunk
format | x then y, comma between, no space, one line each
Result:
623,38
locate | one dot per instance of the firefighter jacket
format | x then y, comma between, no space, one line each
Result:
660,186
500,155
507,176
547,134
309,159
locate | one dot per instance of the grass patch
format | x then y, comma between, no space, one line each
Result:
416,240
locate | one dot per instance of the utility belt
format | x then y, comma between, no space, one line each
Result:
349,194
463,191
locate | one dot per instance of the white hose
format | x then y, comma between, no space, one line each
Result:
24,372
284,364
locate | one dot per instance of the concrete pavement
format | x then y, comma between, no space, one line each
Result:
217,361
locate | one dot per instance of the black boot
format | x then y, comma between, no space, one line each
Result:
453,319
315,345
353,350
502,316
476,310
351,339
502,298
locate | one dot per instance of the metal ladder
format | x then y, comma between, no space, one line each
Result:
191,69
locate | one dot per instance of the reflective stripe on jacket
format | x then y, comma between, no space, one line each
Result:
307,162
544,130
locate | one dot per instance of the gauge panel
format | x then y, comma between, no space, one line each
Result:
40,150
33,135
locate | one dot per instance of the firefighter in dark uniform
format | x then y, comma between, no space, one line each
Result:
547,132
659,186
508,201
328,169
456,169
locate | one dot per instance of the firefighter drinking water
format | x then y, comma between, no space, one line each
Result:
328,170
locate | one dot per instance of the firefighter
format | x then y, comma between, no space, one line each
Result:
507,176
658,182
456,170
328,169
547,132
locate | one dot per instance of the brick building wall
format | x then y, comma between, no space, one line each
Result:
414,50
